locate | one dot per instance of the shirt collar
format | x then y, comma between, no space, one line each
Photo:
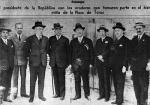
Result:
4,40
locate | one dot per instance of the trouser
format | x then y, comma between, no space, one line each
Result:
141,83
37,72
119,81
59,80
22,69
84,74
104,79
5,80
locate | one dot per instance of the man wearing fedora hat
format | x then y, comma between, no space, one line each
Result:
140,63
36,50
102,50
7,51
59,59
119,61
81,59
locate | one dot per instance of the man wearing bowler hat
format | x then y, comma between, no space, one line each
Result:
81,59
36,50
140,63
59,59
119,61
7,52
102,53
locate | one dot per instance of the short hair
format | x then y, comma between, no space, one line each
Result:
17,24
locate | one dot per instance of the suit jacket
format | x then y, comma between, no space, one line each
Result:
103,48
83,51
6,54
20,58
58,51
119,56
36,50
140,53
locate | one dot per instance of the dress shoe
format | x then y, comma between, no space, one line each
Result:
31,100
86,97
25,95
99,98
76,97
62,98
15,97
107,99
7,100
114,102
42,98
56,96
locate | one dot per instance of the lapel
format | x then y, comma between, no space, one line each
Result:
35,39
3,44
83,40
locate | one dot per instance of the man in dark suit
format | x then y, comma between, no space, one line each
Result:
7,51
140,61
59,59
36,47
81,59
20,60
102,50
119,61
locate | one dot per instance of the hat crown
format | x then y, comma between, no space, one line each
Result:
57,25
38,23
119,24
78,25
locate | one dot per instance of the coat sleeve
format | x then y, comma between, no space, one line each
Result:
70,51
27,47
48,47
67,51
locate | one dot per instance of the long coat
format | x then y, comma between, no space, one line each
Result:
6,54
36,50
83,50
58,51
119,56
20,58
140,53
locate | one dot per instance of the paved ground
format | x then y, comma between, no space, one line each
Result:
128,94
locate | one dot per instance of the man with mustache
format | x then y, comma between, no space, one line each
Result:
36,50
81,59
140,63
59,59
102,53
20,61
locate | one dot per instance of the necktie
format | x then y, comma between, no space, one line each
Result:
19,38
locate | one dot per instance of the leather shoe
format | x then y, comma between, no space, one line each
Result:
62,98
15,97
76,97
87,97
56,96
25,95
114,102
31,100
107,99
99,98
42,98
7,100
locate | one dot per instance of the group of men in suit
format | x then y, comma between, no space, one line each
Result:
108,55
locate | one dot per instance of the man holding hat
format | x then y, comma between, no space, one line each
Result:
59,59
140,63
7,52
81,59
119,61
102,50
36,50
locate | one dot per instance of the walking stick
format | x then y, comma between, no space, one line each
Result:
52,81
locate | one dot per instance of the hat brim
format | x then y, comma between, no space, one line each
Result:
119,28
39,26
1,29
102,28
57,27
140,25
79,27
